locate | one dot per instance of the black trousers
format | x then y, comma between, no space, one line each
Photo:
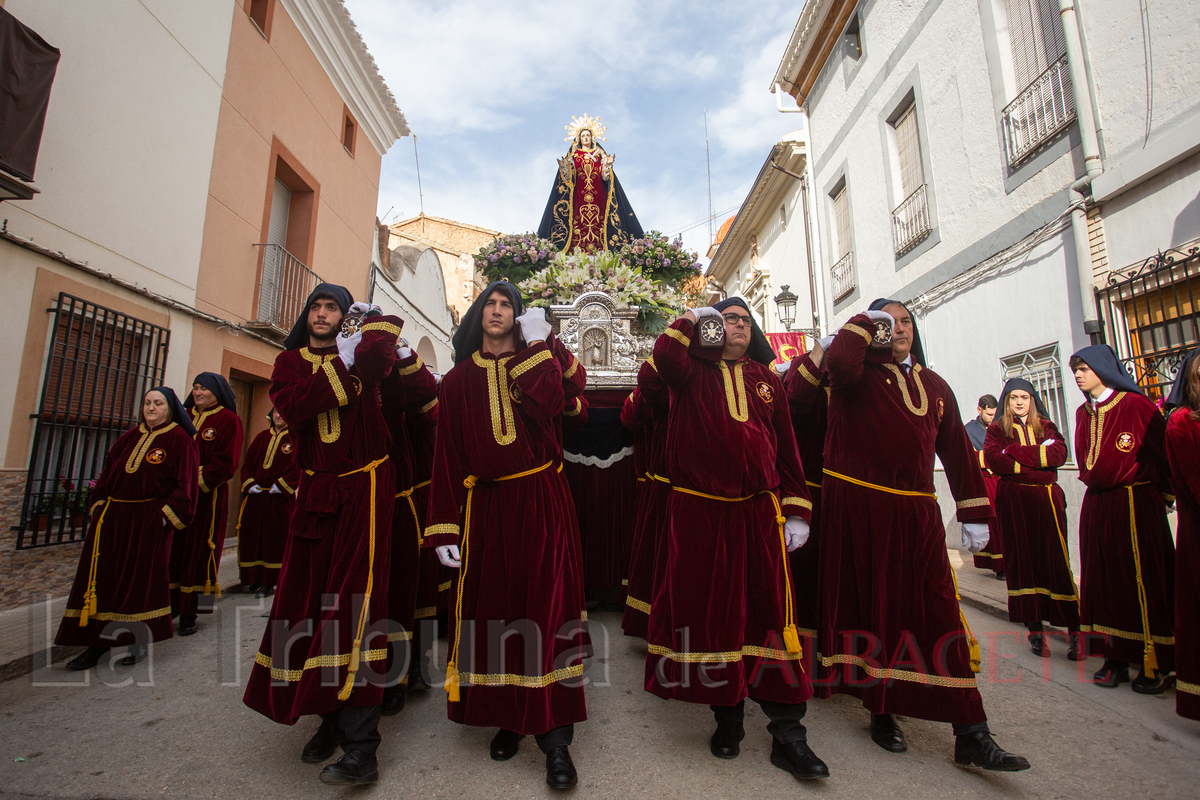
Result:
960,728
784,726
357,727
555,737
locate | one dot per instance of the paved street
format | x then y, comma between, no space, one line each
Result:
176,727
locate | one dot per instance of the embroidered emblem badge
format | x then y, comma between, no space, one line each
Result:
156,456
209,434
765,392
883,334
1125,442
941,409
712,332
516,393
287,448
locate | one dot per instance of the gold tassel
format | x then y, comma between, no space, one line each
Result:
791,638
452,683
976,660
344,694
207,586
83,613
218,591
1150,661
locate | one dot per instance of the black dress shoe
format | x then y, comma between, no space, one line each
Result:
798,759
417,682
1038,644
252,588
354,768
1111,675
136,655
393,700
560,771
87,659
1000,576
1156,685
980,750
726,741
264,591
887,734
187,625
505,744
321,746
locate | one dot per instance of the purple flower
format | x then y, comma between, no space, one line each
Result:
666,262
516,259
541,253
493,258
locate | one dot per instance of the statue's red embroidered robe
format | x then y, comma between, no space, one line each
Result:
409,389
720,615
1183,452
263,517
1127,557
890,620
516,653
196,551
646,412
328,625
145,494
1032,510
808,395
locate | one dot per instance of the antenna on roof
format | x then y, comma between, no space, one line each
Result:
708,169
417,159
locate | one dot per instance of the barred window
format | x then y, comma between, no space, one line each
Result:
1041,367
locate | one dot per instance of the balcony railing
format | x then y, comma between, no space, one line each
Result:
284,286
1045,107
910,221
843,276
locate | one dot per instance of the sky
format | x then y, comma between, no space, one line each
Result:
488,86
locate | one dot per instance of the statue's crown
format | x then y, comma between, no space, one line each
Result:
586,121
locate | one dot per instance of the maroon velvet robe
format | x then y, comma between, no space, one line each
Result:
434,580
1127,557
517,648
646,413
808,396
263,517
409,389
890,620
1183,452
720,616
145,493
992,555
1032,511
328,625
196,550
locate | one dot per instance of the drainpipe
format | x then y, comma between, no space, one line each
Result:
1086,119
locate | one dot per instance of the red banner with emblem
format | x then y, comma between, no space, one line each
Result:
786,346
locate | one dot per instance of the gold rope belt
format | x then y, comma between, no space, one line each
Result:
89,595
877,487
1062,540
1149,656
659,478
813,485
470,482
407,495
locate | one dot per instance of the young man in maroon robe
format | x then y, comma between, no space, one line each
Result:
409,388
1126,554
269,480
326,638
145,493
196,551
433,579
990,557
501,514
722,620
1183,453
890,619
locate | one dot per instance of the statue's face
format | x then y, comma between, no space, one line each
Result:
585,138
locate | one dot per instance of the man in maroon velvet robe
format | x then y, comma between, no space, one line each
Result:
196,550
500,513
407,390
1126,553
327,631
722,619
433,579
890,619
990,557
269,480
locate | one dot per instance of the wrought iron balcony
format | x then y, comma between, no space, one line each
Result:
910,221
284,284
1044,108
843,276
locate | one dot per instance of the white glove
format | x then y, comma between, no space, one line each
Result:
403,351
704,311
975,536
255,489
448,555
274,490
1047,443
882,316
437,376
828,340
534,327
364,308
795,531
346,347
782,368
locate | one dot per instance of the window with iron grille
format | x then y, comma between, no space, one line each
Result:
99,365
910,218
842,271
1041,367
1043,100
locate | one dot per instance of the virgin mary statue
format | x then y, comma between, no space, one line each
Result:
587,208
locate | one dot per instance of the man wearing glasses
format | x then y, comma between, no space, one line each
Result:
722,624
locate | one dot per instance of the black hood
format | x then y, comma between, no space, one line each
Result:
469,336
760,349
179,414
215,382
918,350
339,294
1176,398
1025,386
1103,361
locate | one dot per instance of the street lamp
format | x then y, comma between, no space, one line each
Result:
785,302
